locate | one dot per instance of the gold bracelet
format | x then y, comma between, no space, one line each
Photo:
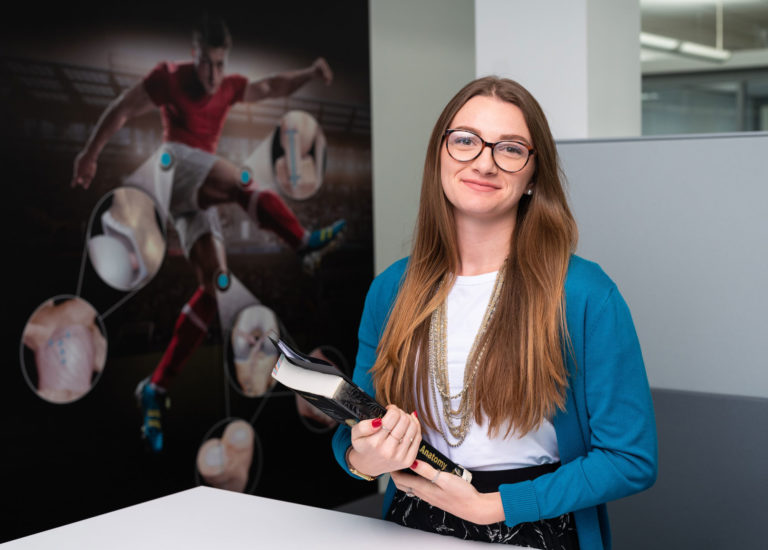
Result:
355,472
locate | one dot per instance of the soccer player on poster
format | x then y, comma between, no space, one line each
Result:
194,99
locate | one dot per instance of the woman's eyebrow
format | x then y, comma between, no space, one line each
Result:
504,137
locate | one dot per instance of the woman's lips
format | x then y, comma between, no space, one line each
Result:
479,185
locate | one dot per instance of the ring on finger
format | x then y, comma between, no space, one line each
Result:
435,478
409,492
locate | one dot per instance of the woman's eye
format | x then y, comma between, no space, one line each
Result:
512,149
464,140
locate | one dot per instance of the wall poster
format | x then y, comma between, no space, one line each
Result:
180,184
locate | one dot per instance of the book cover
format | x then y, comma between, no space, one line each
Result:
334,393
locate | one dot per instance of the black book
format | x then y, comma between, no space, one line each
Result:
334,393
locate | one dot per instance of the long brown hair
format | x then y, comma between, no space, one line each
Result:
523,377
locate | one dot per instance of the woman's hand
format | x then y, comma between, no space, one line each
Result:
385,444
451,493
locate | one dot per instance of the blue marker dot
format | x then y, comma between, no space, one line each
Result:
223,280
245,176
63,361
165,159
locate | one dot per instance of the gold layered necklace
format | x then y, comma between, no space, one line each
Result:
459,420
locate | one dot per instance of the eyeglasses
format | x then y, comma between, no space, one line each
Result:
509,156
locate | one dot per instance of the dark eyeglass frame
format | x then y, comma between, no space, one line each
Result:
531,150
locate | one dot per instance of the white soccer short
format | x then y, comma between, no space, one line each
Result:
191,166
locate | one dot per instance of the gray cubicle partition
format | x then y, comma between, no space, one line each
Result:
681,225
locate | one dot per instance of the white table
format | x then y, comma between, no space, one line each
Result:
206,518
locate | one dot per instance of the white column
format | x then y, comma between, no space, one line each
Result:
579,58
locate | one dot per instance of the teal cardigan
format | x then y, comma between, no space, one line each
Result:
606,435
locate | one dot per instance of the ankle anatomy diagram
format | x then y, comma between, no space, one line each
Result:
64,344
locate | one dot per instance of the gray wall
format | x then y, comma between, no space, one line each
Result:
422,53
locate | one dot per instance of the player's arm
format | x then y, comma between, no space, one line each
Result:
133,102
284,84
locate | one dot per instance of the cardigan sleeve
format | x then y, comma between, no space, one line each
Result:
621,457
378,301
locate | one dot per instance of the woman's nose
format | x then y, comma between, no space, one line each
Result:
484,161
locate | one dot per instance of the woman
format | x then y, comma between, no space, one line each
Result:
508,353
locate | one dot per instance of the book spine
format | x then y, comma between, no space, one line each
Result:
366,408
439,461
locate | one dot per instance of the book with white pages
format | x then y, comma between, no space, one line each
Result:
326,387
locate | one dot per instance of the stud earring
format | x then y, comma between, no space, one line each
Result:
529,192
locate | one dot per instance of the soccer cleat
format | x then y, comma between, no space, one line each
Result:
321,241
321,238
153,403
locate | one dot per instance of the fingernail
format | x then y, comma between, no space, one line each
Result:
414,414
376,423
414,465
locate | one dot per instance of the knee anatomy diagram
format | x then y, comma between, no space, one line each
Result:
64,347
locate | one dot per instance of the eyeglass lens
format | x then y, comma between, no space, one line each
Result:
464,146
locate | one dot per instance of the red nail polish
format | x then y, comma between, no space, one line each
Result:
414,465
414,414
376,423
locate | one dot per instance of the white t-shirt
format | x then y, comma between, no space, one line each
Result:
465,308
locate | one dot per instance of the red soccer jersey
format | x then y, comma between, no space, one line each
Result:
190,115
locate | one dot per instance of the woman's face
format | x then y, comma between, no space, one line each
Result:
479,189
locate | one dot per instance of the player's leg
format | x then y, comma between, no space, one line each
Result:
208,259
225,183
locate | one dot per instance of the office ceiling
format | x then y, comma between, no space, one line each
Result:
744,22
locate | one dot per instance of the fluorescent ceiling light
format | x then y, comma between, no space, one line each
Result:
679,47
657,42
707,52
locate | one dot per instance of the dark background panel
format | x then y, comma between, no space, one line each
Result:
63,463
712,482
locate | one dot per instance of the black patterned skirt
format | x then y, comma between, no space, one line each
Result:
547,534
